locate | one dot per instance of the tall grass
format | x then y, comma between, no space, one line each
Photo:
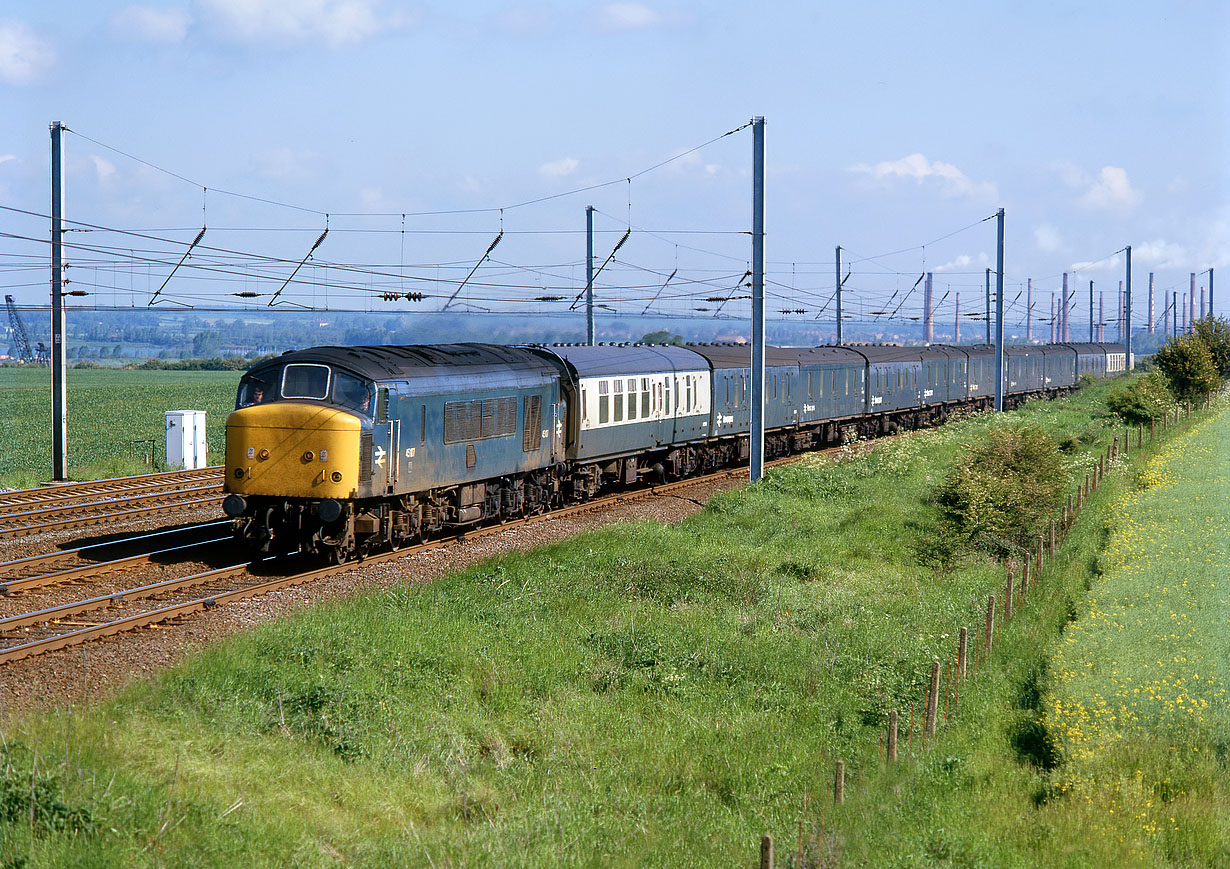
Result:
639,695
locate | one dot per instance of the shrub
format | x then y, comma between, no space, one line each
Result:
1215,333
1189,367
1147,399
1001,494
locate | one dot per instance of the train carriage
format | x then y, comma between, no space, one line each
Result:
892,377
833,380
981,367
1058,367
629,400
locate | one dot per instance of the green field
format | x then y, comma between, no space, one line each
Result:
639,695
113,417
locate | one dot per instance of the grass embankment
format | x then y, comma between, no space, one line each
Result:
113,417
1139,705
637,695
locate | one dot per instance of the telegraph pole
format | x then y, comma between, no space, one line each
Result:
1210,292
756,458
1127,311
838,273
988,306
589,275
59,354
999,311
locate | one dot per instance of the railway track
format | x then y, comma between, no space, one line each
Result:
94,561
35,511
68,624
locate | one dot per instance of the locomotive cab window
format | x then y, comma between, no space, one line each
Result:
306,380
351,392
253,390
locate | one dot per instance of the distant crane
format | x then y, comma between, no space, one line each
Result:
29,356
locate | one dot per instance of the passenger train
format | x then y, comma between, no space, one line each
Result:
339,450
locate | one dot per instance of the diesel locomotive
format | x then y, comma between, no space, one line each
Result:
337,450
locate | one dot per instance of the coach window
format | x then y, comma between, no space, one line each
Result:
618,399
604,402
666,397
644,398
382,406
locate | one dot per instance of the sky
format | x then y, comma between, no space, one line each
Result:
419,133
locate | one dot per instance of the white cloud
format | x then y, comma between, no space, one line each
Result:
150,24
1160,254
104,169
1111,263
1047,238
4,158
23,56
559,168
627,16
336,22
1111,191
961,263
952,181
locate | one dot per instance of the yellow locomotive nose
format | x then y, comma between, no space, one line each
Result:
290,450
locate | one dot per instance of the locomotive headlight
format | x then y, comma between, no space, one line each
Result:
308,456
336,476
264,454
329,511
239,473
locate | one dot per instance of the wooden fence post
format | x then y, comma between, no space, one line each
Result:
1140,435
990,625
1008,597
892,734
766,851
962,643
933,700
